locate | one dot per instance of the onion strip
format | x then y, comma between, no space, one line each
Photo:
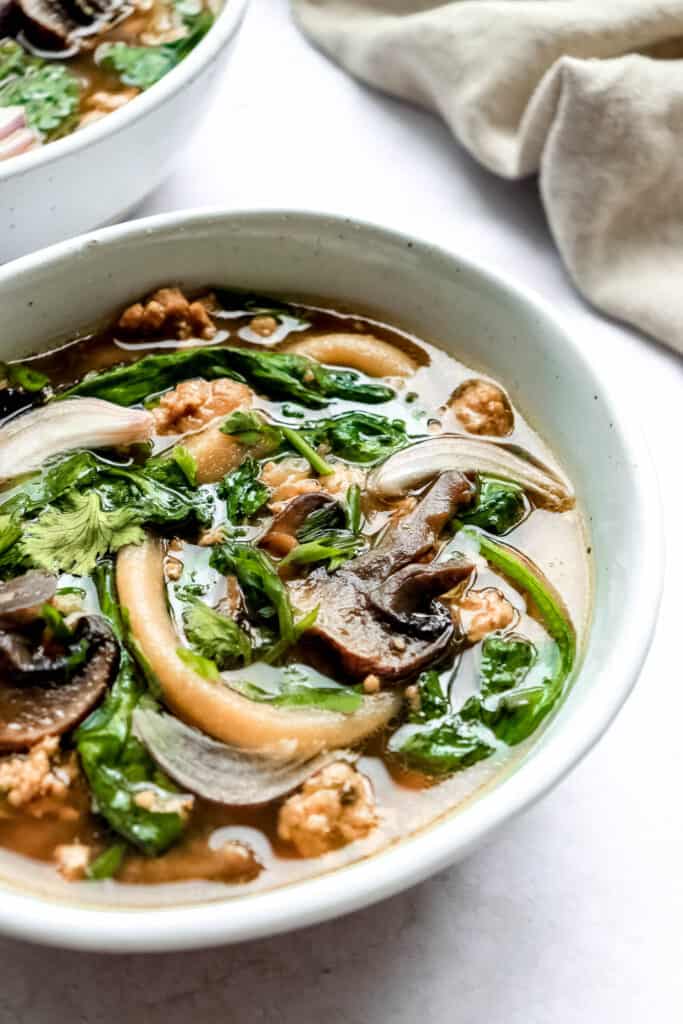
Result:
414,466
27,441
218,771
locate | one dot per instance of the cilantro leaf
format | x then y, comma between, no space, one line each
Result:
49,93
143,66
242,491
72,538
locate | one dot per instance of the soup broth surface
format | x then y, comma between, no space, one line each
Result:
406,795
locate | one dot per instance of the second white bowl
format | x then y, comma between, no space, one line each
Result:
97,174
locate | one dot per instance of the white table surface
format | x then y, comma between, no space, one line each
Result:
574,912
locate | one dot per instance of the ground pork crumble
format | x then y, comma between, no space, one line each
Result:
334,807
72,860
170,312
25,777
480,612
290,477
193,404
483,408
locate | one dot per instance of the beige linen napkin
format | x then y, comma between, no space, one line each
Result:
589,93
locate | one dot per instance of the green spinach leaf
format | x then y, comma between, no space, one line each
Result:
275,374
81,507
251,428
215,636
118,768
19,375
358,436
500,506
518,686
266,595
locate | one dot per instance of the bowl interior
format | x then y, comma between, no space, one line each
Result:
488,324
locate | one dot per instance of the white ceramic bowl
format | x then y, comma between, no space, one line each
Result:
96,175
490,323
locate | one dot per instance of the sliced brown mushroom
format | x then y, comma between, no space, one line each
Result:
34,703
281,534
22,597
214,707
56,24
6,9
403,597
377,611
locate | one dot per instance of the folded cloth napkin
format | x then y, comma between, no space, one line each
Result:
589,93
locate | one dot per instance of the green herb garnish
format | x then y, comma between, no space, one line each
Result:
49,93
116,764
143,66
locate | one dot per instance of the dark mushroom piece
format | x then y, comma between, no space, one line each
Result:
402,598
35,701
378,611
22,598
6,12
57,24
281,535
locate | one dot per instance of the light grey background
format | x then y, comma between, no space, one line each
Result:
573,913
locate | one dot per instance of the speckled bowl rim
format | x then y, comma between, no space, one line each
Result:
219,35
416,857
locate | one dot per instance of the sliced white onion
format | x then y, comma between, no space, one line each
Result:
218,771
28,440
424,460
11,120
214,707
16,142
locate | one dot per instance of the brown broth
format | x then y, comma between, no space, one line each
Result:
408,800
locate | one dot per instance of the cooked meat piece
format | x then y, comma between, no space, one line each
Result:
291,477
263,325
383,626
335,806
196,858
35,702
160,802
483,408
72,860
168,311
481,612
27,776
103,102
194,403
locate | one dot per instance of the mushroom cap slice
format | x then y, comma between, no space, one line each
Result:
29,713
214,707
218,771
